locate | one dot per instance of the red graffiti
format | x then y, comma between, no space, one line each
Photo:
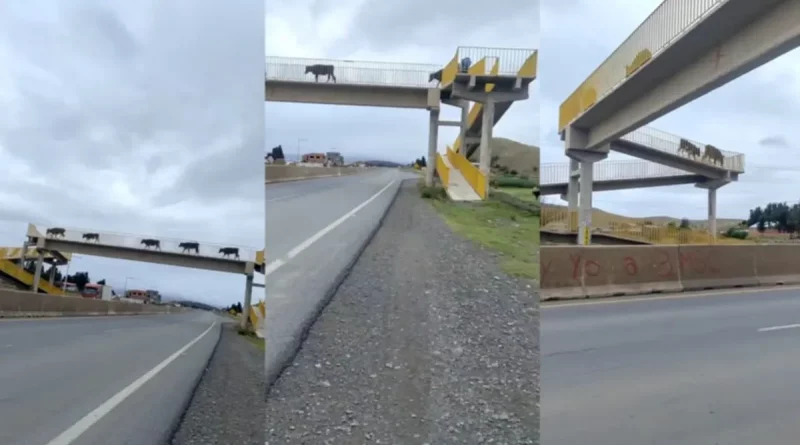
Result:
589,267
666,261
545,268
630,266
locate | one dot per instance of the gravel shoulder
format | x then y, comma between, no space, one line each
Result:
228,405
425,342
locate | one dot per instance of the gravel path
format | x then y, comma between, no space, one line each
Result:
228,406
412,350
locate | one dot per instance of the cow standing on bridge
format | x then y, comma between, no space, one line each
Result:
151,242
91,237
437,76
321,70
714,154
188,246
228,251
55,232
689,149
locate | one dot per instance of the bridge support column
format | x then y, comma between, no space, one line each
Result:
587,158
53,269
486,137
711,187
23,255
248,299
572,193
463,131
433,140
37,275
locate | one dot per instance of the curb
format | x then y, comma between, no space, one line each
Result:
273,371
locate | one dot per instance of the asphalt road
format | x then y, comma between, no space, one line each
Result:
717,369
314,228
55,372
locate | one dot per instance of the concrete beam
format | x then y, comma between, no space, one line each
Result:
749,33
449,123
347,94
625,184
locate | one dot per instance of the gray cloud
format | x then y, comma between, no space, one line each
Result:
575,40
135,117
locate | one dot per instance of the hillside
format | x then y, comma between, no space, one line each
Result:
604,219
514,156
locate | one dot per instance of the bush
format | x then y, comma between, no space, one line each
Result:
436,192
736,233
512,181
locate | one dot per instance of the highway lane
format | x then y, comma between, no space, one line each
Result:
55,372
715,369
314,229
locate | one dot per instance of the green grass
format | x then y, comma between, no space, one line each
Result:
258,342
525,194
499,227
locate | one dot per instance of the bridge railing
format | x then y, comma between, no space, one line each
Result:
670,143
146,242
511,60
558,172
670,20
351,72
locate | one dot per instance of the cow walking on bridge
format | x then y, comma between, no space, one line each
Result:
151,242
189,246
55,232
321,70
437,76
91,237
228,251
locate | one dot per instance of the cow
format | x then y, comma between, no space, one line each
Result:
150,242
689,149
227,251
321,70
188,246
56,232
436,75
714,155
91,237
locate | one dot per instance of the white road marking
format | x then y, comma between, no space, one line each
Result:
276,264
280,198
83,425
778,328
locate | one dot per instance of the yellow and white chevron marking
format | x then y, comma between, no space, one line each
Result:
258,313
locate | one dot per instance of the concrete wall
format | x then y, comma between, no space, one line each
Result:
603,239
14,303
569,272
281,173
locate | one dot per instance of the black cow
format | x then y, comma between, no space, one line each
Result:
437,76
92,237
56,232
228,251
321,70
189,246
150,242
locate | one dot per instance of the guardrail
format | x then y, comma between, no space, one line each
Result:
471,174
350,72
148,243
442,170
670,143
558,172
511,62
670,20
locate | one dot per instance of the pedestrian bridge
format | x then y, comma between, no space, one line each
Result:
150,249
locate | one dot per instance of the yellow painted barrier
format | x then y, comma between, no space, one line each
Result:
14,271
476,109
258,314
260,257
471,174
443,170
449,72
14,253
529,67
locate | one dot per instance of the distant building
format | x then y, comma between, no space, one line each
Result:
154,296
136,294
335,159
314,158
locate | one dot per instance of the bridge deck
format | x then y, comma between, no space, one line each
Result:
670,21
553,173
670,144
143,243
351,72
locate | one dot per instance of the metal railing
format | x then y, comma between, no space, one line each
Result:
670,143
351,72
149,243
558,172
443,170
471,173
512,60
670,21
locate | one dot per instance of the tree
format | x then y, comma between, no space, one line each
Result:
684,223
102,282
81,279
423,162
761,226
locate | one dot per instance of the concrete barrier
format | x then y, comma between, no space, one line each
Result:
600,271
578,272
14,303
282,173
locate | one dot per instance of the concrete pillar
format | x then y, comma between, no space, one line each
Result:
38,272
433,140
486,137
248,297
712,212
572,193
585,203
53,269
23,255
463,133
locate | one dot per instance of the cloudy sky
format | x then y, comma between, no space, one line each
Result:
138,117
411,31
753,115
